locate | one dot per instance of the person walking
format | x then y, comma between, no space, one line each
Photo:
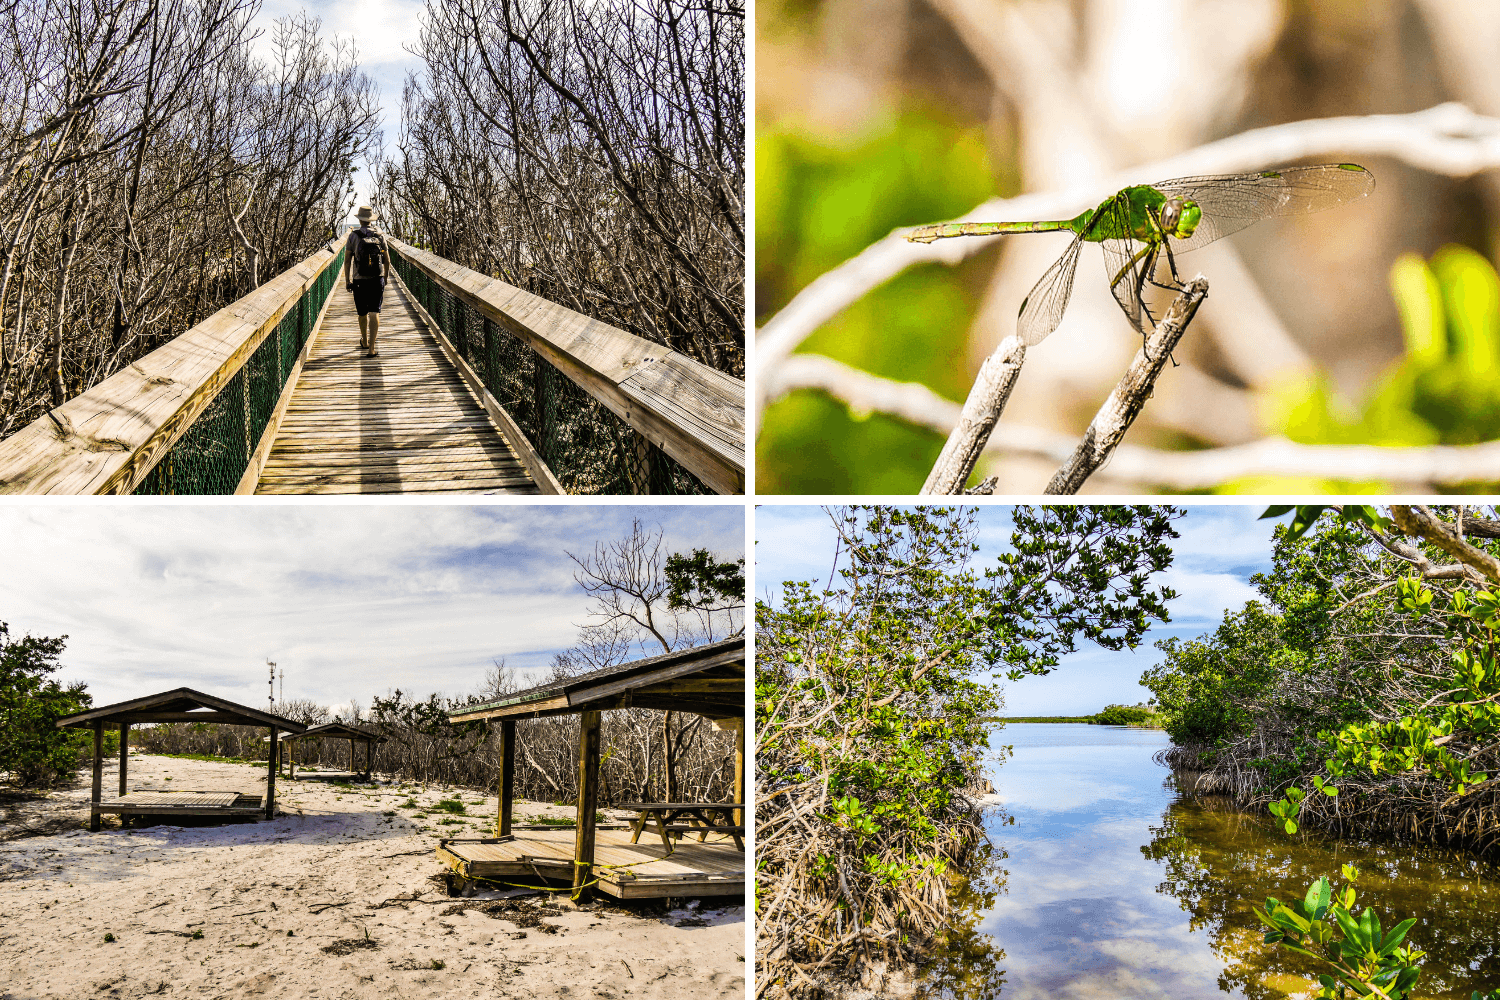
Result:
366,256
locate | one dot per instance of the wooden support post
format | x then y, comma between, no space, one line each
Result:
739,773
351,757
124,753
507,790
291,761
588,802
271,776
98,775
642,470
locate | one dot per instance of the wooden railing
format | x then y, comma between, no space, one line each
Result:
607,411
190,416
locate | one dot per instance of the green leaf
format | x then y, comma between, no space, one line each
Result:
1369,922
1351,929
1317,898
1397,934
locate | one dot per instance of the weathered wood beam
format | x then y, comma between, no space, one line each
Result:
687,409
107,439
98,776
697,685
543,706
271,776
739,773
124,753
507,790
588,803
227,718
610,688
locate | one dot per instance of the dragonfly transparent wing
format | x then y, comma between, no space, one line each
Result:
1128,264
1043,306
1230,202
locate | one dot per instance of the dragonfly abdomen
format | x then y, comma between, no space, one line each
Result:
927,234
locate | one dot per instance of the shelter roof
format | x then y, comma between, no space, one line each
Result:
340,731
708,680
178,705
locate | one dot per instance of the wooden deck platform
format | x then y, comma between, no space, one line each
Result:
713,868
402,422
183,803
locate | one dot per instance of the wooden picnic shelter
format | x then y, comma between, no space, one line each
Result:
178,705
708,680
338,731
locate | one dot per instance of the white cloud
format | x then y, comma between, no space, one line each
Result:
349,600
1219,547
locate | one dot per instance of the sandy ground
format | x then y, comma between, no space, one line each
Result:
335,898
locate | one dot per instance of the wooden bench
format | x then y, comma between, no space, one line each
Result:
703,818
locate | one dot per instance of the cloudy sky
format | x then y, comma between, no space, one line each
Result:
382,31
1220,547
350,600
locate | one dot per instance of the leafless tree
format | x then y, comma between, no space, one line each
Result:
152,171
592,153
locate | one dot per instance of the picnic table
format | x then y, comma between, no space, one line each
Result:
676,818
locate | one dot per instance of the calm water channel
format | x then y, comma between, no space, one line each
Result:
1104,882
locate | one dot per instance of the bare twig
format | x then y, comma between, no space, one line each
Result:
1270,456
981,410
1446,139
1129,396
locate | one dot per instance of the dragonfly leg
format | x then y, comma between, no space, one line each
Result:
1148,268
1176,285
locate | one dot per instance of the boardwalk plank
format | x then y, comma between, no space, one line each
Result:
403,422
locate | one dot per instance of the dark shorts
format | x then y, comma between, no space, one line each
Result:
367,295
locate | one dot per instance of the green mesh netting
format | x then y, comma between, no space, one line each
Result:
212,454
587,447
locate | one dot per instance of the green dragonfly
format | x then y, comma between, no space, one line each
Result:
1139,226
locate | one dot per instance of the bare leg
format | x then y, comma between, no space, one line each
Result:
374,319
364,336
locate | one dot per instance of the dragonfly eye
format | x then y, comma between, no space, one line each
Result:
1171,214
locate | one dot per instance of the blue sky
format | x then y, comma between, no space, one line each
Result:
1221,546
382,31
350,600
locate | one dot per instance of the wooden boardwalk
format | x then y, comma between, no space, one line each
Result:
402,422
624,870
181,803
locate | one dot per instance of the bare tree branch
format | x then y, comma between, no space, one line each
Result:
1129,396
1447,139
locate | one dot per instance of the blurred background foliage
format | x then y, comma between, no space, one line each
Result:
819,203
1377,323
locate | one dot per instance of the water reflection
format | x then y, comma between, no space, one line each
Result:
1218,861
969,962
1115,886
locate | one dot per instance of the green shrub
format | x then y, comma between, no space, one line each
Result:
1124,715
32,749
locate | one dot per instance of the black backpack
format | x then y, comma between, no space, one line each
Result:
369,254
